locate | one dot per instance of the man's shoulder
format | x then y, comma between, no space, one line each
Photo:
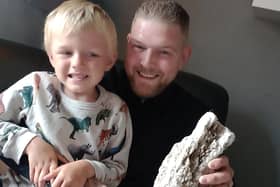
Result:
185,100
207,92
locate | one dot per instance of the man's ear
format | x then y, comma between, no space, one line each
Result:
128,37
187,51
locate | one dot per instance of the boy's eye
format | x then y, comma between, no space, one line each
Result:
65,53
68,53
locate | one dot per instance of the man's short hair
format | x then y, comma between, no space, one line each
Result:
168,11
75,15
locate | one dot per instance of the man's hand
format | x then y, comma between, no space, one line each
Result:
42,159
219,174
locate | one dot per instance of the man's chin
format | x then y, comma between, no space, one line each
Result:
145,92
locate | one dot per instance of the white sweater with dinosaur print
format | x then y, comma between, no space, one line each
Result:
99,132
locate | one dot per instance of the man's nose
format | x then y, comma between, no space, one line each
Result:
148,58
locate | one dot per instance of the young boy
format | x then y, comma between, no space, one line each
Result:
67,116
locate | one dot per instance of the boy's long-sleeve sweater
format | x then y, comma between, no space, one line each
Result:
99,132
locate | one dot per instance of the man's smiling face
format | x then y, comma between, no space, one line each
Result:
155,53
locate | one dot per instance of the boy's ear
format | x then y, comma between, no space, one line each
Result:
111,62
50,59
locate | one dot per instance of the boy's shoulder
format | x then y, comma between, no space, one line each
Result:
110,97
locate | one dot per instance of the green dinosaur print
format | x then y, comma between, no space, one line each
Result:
40,131
79,125
26,94
102,115
6,131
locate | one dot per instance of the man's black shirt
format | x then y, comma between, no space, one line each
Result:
157,122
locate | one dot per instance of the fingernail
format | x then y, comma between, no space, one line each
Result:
202,180
212,165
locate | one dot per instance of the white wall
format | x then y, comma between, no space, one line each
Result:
267,4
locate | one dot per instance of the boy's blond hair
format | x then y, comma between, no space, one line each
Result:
74,15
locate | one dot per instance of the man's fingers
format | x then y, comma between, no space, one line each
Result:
219,163
215,178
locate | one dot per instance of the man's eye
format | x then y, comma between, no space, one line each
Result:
93,54
164,52
138,47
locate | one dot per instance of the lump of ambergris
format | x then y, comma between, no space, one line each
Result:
187,159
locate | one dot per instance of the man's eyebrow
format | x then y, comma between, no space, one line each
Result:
135,41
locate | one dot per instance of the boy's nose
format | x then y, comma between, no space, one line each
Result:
77,60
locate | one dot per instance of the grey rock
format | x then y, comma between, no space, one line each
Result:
188,158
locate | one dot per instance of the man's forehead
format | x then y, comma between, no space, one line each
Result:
155,31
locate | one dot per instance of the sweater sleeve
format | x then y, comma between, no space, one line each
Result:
114,160
14,104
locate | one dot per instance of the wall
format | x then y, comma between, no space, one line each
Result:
20,22
239,49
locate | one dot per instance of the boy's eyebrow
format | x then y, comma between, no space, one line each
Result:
61,47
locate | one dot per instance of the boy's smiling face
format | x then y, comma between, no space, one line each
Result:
80,60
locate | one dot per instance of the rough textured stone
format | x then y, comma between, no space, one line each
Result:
184,164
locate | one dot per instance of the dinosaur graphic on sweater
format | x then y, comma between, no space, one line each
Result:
27,96
40,131
78,125
55,99
78,151
106,134
114,150
6,132
102,115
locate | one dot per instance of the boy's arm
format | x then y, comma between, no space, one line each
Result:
14,104
114,162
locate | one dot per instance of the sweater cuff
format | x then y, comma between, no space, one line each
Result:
99,169
16,148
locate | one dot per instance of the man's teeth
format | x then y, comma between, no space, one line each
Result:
147,75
